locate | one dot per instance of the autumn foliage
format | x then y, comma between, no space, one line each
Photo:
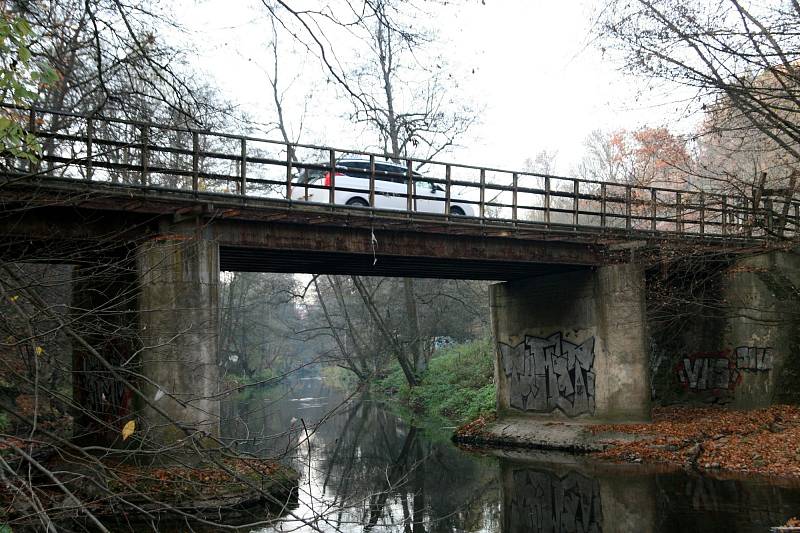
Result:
763,441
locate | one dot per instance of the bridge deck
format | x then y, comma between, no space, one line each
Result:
99,176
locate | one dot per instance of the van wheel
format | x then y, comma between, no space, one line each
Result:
455,210
357,201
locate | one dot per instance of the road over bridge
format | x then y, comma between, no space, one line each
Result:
100,177
172,206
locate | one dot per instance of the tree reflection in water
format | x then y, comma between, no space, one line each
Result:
364,469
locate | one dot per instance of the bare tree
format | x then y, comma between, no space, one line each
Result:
738,61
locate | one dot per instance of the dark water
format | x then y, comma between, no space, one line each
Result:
364,469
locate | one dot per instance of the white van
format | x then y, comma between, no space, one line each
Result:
391,188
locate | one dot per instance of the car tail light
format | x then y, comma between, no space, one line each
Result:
328,178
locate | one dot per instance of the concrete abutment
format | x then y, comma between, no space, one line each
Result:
573,345
178,324
104,348
146,346
729,333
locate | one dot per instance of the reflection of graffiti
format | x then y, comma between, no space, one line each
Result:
550,373
721,371
543,502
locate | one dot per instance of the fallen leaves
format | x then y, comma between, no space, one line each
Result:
761,441
474,428
195,481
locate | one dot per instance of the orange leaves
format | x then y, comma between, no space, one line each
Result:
647,156
190,481
475,427
763,441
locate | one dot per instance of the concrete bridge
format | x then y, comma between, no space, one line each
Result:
169,208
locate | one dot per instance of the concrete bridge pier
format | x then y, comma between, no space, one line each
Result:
104,349
178,325
761,329
572,345
730,334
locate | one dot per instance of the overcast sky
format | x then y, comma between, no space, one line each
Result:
527,64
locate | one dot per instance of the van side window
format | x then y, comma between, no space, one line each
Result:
354,165
396,173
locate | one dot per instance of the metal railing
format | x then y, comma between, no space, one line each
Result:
302,176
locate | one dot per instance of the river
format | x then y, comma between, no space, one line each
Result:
365,469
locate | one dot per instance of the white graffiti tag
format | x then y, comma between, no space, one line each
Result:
548,373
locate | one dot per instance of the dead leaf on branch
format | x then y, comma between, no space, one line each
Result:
128,429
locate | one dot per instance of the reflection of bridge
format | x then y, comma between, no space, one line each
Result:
190,203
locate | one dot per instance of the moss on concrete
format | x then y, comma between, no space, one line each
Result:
788,298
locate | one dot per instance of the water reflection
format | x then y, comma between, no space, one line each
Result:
551,493
541,501
364,469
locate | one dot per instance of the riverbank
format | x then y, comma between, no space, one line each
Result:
762,441
759,442
457,386
230,490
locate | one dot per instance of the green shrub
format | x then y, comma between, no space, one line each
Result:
458,384
339,378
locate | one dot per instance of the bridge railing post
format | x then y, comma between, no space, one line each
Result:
628,207
653,208
410,186
576,194
195,163
89,148
679,212
724,214
796,220
482,206
769,220
603,194
783,217
372,181
289,159
547,200
243,172
32,130
515,185
702,213
447,185
332,191
144,153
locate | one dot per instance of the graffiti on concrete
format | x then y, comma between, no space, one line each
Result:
543,502
550,373
704,371
721,371
753,358
657,356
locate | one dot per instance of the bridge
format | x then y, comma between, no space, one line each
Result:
177,205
